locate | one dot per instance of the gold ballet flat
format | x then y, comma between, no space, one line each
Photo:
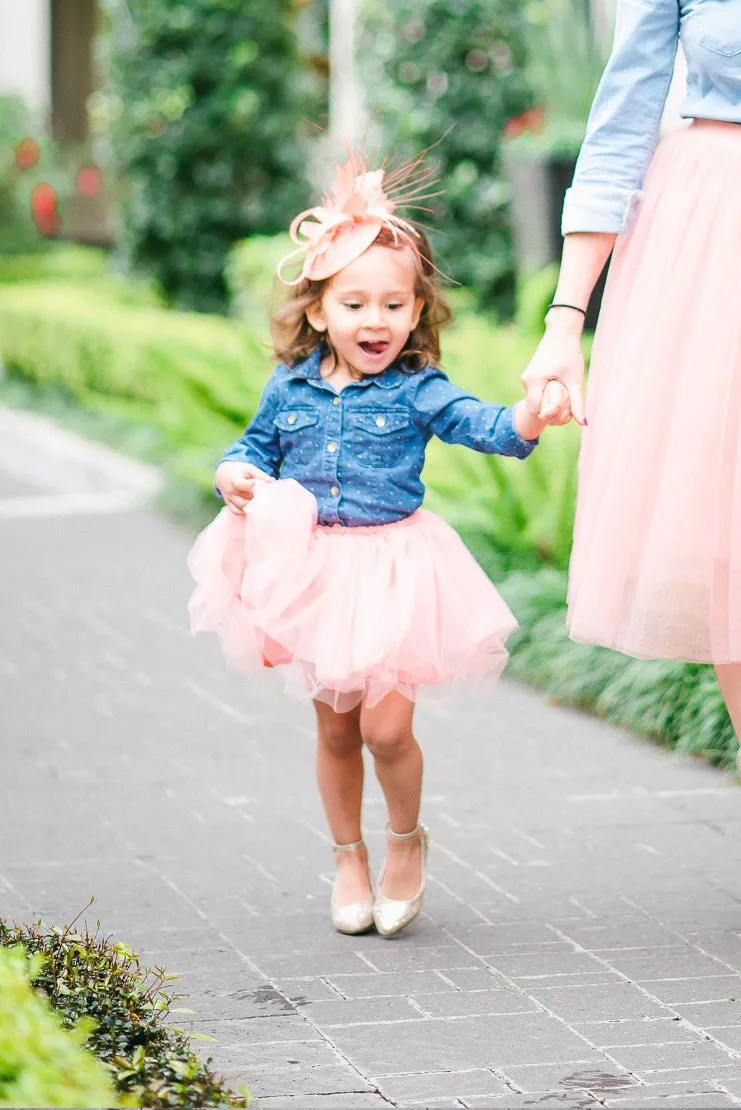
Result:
391,915
357,917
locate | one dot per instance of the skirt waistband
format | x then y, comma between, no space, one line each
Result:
355,529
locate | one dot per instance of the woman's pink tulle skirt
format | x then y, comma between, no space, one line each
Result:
656,565
351,613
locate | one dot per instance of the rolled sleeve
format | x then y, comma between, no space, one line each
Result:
455,416
624,122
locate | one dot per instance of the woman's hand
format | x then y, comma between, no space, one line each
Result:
236,483
559,358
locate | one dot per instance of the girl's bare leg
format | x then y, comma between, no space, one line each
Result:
339,772
729,678
387,732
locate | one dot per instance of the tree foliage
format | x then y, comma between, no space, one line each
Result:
203,108
432,65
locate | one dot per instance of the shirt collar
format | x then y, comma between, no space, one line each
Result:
310,370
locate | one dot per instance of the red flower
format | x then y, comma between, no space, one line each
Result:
88,181
27,154
44,202
533,120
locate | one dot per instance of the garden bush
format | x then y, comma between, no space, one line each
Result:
452,71
42,1064
191,378
29,161
65,262
202,106
123,1010
677,704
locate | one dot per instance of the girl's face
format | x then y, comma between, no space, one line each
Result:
369,309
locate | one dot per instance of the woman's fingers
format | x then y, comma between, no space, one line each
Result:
534,389
576,401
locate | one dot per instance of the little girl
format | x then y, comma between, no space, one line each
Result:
322,561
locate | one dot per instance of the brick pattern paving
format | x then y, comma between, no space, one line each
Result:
581,944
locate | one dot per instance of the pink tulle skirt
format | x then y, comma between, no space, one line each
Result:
656,565
351,614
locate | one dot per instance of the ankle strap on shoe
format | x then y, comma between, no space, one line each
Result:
348,847
404,836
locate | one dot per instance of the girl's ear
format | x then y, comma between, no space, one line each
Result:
418,306
315,316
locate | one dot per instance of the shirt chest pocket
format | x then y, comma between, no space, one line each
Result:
719,28
297,430
379,438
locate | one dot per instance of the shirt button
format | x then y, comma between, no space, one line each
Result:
336,401
332,447
292,418
335,490
380,421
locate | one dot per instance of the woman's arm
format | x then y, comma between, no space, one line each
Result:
621,137
559,355
625,118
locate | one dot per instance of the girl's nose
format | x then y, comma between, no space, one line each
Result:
373,316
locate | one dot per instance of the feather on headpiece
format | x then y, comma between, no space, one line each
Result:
361,202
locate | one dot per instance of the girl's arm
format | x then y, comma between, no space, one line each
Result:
454,416
260,442
255,456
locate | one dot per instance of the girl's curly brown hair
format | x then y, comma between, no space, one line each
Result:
294,338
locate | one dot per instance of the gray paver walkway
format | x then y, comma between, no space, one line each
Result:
582,937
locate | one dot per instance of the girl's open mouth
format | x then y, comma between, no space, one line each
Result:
376,347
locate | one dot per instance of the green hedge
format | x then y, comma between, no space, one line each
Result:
42,1064
677,704
98,992
193,378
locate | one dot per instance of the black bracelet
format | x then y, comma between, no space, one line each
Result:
558,304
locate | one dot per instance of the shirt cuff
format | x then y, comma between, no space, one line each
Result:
599,208
509,439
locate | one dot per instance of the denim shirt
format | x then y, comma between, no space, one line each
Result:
361,451
624,122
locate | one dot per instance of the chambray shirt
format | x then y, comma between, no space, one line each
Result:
361,451
623,126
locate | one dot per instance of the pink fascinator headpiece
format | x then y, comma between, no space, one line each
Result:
360,204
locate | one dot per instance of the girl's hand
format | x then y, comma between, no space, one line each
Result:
236,482
558,358
555,409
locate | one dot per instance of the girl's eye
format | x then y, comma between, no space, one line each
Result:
395,305
351,304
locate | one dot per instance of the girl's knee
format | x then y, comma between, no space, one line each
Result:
339,732
387,742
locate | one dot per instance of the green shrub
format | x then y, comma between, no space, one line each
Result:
123,1008
433,65
203,108
676,704
18,232
69,263
253,286
193,378
42,1064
